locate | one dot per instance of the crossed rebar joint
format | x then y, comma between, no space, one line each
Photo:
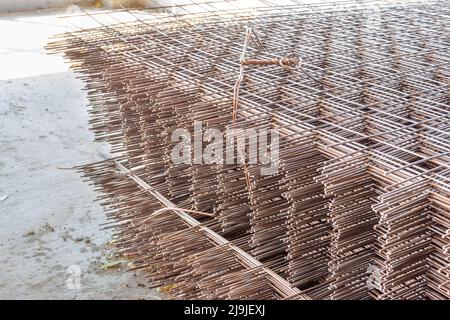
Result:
289,62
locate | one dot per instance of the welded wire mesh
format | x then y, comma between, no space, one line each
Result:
359,206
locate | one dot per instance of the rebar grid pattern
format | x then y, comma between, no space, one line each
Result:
359,206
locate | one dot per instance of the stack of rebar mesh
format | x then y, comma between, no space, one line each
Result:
359,205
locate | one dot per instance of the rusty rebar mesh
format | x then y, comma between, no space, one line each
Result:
359,208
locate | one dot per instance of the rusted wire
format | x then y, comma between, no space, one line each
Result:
359,206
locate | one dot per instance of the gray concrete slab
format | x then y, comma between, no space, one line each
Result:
48,218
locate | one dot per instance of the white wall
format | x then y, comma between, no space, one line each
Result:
21,5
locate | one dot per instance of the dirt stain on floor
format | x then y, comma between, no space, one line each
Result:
50,221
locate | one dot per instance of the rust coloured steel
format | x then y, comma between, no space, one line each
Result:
359,93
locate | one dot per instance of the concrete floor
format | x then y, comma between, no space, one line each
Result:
48,218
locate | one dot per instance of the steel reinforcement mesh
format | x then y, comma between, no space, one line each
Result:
359,206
